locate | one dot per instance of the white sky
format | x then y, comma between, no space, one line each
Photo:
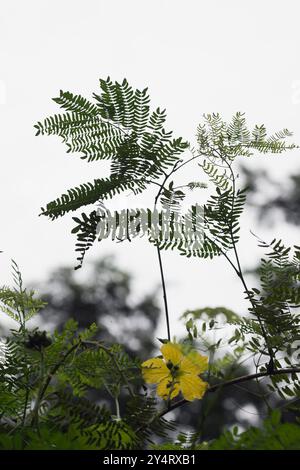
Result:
195,57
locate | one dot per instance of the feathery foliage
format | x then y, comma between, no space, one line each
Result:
120,127
45,378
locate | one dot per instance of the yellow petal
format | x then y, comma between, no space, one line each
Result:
194,363
188,367
168,390
154,370
172,352
201,362
192,386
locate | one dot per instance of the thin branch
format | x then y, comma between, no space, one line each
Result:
164,292
44,386
179,164
188,161
163,283
26,399
228,383
264,333
224,254
239,271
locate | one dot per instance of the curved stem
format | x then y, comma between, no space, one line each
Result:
164,293
179,164
238,268
163,283
264,333
26,399
117,409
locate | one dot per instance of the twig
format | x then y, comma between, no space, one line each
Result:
164,292
264,333
238,380
179,164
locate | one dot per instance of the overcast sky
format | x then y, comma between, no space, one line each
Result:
195,56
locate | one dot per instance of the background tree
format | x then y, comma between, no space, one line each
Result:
286,200
102,298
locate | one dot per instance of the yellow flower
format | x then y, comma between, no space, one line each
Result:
176,372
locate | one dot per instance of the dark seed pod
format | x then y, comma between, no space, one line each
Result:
38,340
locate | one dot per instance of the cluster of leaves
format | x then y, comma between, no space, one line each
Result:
273,435
45,381
120,127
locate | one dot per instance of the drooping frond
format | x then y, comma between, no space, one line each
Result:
222,213
167,229
193,233
76,103
89,193
86,231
